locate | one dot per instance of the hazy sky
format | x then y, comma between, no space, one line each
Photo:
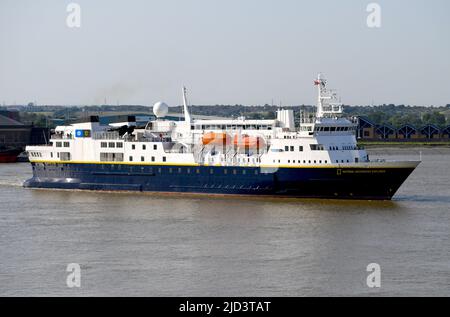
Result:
225,52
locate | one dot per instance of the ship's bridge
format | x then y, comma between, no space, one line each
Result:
338,126
326,126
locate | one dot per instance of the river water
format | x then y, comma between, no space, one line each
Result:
158,245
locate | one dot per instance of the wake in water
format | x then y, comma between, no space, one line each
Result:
423,198
14,174
12,182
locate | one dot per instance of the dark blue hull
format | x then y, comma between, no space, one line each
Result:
335,183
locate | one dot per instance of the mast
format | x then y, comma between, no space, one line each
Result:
320,83
328,105
187,115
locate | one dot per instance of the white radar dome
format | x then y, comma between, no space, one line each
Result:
160,109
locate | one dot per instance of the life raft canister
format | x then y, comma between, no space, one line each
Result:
212,138
249,142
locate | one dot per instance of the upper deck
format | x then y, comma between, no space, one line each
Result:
326,138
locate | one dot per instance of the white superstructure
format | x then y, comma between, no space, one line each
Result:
325,139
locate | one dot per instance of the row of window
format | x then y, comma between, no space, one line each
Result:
179,170
152,159
118,157
247,160
164,159
144,147
316,147
35,154
233,127
111,157
111,144
188,170
314,161
304,161
292,148
61,144
334,129
171,170
120,145
306,128
344,147
64,156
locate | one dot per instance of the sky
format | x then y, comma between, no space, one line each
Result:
249,52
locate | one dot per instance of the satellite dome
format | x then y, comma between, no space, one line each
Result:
160,109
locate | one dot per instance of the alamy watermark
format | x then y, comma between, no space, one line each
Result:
374,17
374,278
73,19
74,278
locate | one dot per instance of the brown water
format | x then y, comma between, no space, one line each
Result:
151,245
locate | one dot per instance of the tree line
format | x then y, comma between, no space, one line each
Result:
395,115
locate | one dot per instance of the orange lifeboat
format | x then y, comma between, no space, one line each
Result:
215,138
250,142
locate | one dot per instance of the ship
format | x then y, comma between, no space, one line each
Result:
317,157
9,154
